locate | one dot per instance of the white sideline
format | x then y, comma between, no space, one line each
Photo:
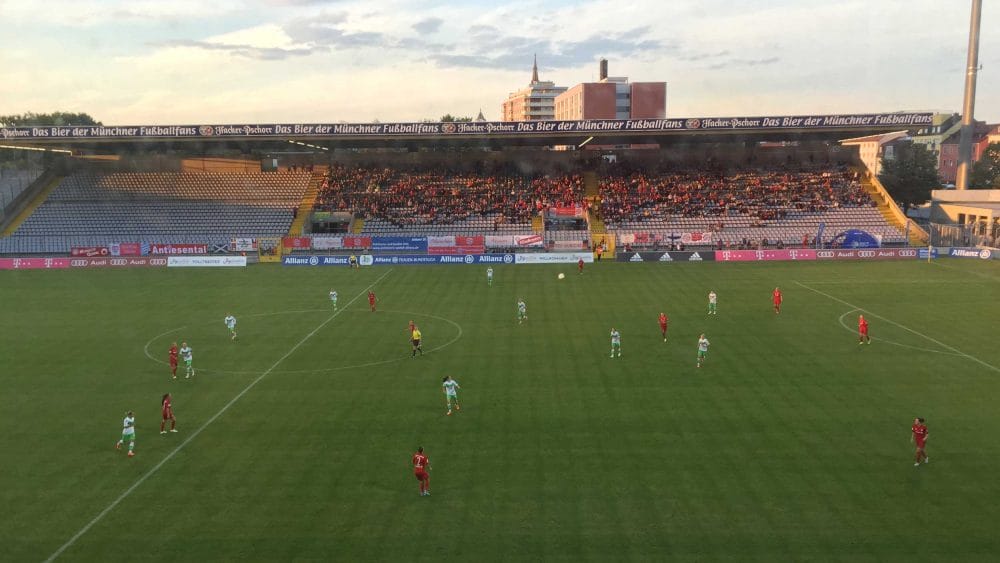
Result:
906,328
194,434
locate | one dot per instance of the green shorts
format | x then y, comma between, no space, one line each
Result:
702,353
128,437
616,344
187,361
451,398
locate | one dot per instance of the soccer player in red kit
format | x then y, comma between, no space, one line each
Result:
168,414
663,325
371,300
776,298
173,359
420,466
863,330
579,265
919,438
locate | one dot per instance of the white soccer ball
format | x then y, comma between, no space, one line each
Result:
562,276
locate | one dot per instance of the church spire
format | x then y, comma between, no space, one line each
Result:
534,71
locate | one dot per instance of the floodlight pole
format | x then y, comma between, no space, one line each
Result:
969,102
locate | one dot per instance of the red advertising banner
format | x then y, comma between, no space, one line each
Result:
765,255
456,245
357,242
567,211
296,242
89,251
177,249
126,249
116,262
528,240
34,263
865,253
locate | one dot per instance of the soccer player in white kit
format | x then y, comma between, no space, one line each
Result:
712,302
522,311
451,388
188,356
489,277
702,349
231,324
616,343
128,433
333,298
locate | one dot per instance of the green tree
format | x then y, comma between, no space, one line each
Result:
986,173
449,118
47,119
911,175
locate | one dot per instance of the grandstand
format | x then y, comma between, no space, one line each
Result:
742,208
90,208
394,202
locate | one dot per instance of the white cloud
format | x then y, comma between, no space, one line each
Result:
318,61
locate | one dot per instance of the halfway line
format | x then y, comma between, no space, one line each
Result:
194,435
938,342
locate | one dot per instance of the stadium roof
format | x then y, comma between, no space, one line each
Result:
494,134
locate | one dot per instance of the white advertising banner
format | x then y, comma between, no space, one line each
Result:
327,243
553,258
206,261
499,241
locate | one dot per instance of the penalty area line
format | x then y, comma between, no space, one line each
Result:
904,327
208,422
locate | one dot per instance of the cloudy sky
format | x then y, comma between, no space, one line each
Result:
238,61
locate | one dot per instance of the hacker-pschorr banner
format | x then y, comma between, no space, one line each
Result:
666,256
475,128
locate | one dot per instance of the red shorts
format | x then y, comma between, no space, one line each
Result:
863,331
776,303
920,444
421,475
173,362
167,415
663,328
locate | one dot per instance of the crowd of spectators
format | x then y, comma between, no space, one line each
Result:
441,197
760,194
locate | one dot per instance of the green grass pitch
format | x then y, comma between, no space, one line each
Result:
791,444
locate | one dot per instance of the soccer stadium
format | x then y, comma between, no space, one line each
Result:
576,337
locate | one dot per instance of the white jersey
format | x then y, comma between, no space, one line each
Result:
703,344
489,272
231,322
616,337
333,296
186,352
128,425
450,388
712,298
521,307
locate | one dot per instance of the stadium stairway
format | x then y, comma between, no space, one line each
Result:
537,224
30,208
890,211
296,229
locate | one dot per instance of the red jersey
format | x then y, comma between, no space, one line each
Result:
663,320
173,352
919,433
371,297
580,264
419,462
862,325
777,296
166,407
